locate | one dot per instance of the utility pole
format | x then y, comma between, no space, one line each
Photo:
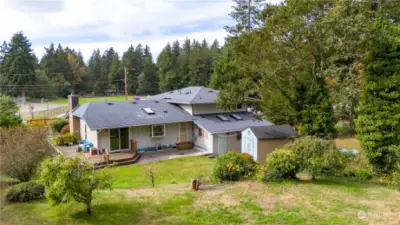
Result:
126,84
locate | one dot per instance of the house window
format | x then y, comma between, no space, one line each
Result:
202,133
239,136
158,130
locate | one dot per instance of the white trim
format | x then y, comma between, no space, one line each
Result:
152,133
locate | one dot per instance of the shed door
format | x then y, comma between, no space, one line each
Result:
222,148
250,147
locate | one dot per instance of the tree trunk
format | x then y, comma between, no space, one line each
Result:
89,207
313,174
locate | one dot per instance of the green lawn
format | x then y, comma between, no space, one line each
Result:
93,99
324,201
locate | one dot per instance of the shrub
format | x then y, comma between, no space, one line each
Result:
58,140
344,130
316,155
8,112
281,164
232,166
58,125
65,129
364,174
22,149
69,138
25,192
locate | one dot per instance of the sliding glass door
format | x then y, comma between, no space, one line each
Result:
119,139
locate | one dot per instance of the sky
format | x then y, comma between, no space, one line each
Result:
89,24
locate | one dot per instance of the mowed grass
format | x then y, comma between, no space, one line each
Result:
324,201
173,171
348,143
94,99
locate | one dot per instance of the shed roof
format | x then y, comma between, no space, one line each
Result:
273,132
188,95
213,124
107,115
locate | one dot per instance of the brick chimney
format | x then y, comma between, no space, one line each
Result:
74,123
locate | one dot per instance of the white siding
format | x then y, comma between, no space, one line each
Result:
187,108
249,143
90,134
104,139
144,140
205,143
200,109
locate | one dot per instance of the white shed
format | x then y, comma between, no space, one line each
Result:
262,140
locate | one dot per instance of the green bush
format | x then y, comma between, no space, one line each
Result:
58,125
281,164
344,130
69,138
65,139
58,140
364,174
25,192
232,166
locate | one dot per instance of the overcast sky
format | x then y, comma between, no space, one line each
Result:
88,24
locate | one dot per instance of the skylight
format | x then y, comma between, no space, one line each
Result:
223,118
148,111
236,117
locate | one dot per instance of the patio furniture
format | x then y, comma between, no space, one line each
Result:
184,145
85,145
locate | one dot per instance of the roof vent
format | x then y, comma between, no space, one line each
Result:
167,98
166,111
210,91
109,103
148,111
222,118
171,92
134,102
156,101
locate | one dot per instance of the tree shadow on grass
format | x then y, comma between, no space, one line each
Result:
112,213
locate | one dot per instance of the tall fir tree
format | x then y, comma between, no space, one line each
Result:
378,123
18,65
148,79
115,78
166,69
94,72
183,63
247,14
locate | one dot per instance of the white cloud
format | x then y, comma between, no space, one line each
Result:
119,22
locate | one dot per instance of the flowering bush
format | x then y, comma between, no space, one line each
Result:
233,166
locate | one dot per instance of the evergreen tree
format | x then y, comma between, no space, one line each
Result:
378,123
183,63
129,62
166,69
247,14
106,61
225,68
94,71
18,65
148,79
115,79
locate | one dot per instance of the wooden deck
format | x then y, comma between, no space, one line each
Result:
120,158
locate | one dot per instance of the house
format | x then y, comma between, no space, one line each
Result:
162,121
262,140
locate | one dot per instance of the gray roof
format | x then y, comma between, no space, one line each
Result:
188,95
274,132
212,124
106,115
